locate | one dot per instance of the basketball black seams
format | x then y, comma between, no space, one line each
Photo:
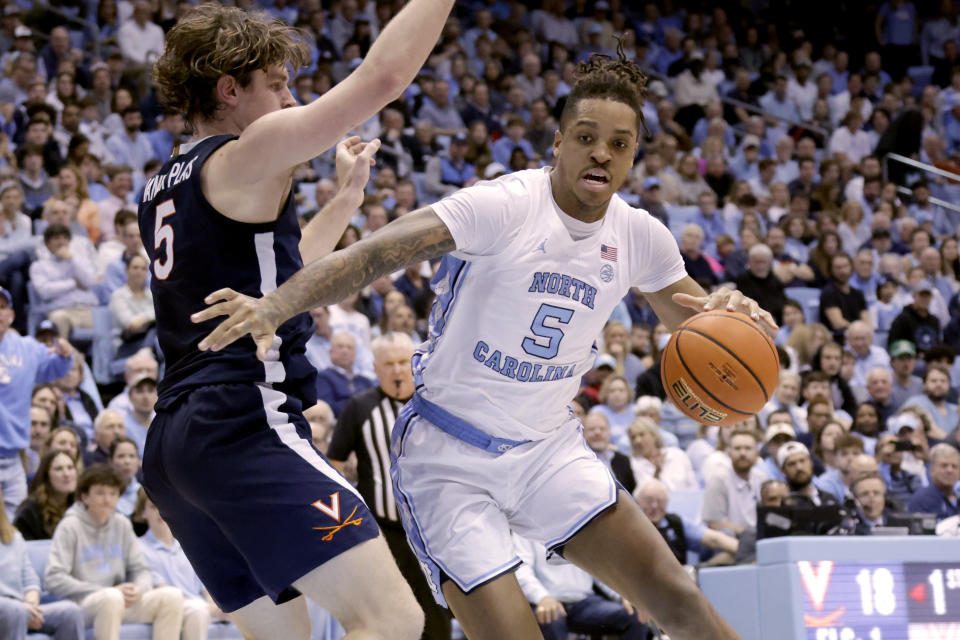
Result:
766,396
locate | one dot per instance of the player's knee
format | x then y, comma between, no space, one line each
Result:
675,611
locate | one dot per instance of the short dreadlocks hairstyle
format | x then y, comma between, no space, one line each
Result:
212,41
603,77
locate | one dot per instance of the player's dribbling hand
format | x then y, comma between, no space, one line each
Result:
731,300
245,315
549,609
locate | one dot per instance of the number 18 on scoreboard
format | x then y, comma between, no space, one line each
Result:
883,601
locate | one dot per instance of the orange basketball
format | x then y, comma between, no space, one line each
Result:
719,367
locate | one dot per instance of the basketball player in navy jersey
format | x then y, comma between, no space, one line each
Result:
229,462
538,260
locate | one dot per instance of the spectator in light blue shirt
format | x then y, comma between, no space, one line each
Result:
143,395
441,112
20,608
896,23
709,218
169,566
515,132
928,215
866,354
777,103
24,362
116,274
787,168
873,63
901,484
746,164
712,124
17,248
936,386
63,281
865,278
125,459
839,73
131,147
777,434
670,52
167,134
940,497
951,126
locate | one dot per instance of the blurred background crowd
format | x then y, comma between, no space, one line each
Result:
805,153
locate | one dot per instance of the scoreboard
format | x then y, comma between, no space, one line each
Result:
880,601
842,588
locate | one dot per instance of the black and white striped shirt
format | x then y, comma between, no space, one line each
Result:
364,427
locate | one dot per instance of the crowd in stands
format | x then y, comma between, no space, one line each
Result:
766,150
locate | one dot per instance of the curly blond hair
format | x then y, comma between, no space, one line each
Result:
213,41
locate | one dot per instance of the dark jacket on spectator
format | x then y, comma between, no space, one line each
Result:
97,456
657,210
649,383
851,304
923,331
335,389
863,528
699,269
931,500
623,472
675,536
768,292
29,521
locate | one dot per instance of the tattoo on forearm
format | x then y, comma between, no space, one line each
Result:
415,237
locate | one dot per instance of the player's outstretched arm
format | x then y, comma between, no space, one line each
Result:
685,298
354,159
417,236
288,137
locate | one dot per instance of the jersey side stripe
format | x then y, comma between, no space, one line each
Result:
384,415
277,420
267,261
454,271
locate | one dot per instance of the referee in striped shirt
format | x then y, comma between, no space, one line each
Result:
364,428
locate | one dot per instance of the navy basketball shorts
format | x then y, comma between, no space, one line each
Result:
255,506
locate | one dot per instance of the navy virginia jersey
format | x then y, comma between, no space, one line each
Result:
194,250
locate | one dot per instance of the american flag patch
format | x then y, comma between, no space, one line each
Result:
608,253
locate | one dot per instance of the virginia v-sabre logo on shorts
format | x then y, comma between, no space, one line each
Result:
333,510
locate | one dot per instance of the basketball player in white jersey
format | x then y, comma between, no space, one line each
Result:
537,261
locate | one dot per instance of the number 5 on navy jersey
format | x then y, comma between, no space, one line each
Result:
553,335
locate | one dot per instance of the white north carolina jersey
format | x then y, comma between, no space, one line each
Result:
520,303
